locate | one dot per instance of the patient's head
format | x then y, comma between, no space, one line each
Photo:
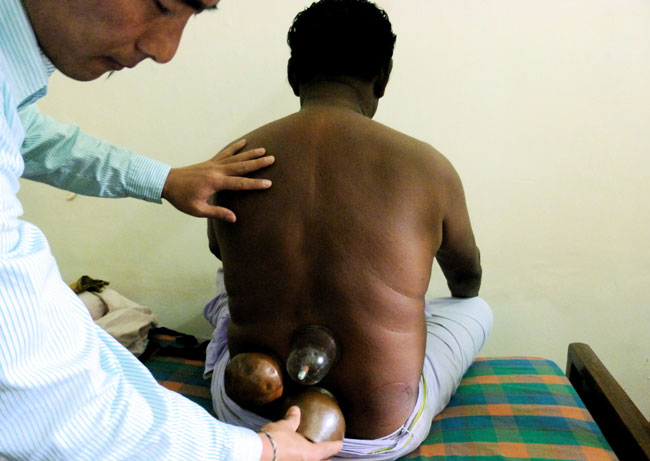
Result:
333,38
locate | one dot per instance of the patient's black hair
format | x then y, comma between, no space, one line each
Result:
340,37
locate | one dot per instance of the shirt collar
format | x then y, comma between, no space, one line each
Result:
26,67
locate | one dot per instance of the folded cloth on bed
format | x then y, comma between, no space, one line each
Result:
125,320
456,330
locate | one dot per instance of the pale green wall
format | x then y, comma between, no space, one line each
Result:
543,107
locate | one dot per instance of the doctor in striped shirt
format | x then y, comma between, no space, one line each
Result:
67,389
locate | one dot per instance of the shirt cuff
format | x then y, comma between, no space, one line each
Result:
247,444
146,178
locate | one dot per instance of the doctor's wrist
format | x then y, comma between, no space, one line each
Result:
269,447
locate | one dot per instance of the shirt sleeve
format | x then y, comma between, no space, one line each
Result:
68,390
63,156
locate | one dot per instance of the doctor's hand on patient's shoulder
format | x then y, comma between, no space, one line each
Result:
190,188
289,445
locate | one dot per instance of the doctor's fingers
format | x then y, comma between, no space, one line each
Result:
240,157
204,210
230,150
244,167
239,183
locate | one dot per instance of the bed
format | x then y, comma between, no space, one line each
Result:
505,407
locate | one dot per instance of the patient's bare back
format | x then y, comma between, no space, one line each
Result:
345,238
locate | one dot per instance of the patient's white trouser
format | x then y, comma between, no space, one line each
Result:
456,331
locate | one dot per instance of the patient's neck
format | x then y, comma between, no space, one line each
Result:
343,93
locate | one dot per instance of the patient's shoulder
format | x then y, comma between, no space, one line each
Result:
270,131
420,154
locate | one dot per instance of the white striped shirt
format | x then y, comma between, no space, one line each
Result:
67,389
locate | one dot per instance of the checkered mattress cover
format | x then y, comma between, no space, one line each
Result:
505,408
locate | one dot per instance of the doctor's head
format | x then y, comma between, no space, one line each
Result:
87,38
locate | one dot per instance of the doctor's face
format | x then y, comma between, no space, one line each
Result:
86,38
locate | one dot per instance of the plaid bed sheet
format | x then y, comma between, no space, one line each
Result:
507,408
183,376
514,408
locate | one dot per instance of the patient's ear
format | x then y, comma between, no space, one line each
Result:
381,80
293,78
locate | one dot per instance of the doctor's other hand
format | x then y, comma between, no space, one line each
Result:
292,446
190,188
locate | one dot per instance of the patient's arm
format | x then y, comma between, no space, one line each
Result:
212,240
458,255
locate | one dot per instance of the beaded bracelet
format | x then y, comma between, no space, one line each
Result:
273,445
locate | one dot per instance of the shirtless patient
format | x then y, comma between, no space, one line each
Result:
346,239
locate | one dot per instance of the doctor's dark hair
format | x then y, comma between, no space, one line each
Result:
340,37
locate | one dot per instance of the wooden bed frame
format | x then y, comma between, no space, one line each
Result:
623,425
